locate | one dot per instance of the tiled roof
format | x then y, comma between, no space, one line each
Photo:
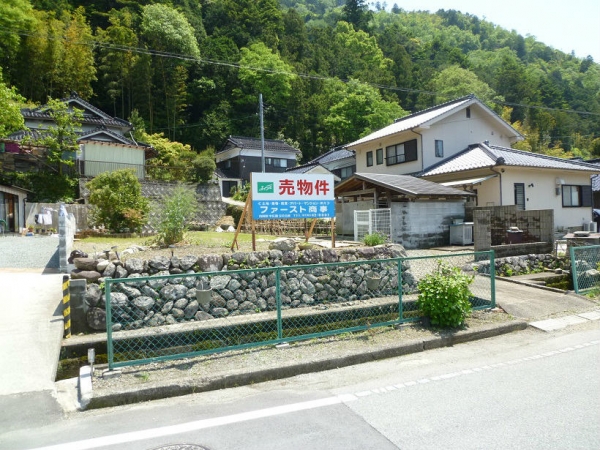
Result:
421,118
303,168
91,114
596,183
333,155
103,130
483,155
249,143
404,184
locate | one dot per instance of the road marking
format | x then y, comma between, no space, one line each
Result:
447,376
123,438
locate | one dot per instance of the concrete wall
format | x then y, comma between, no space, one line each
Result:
344,215
424,224
491,223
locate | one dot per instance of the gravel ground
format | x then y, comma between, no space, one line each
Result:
29,252
212,367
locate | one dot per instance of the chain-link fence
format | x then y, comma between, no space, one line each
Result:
176,316
585,267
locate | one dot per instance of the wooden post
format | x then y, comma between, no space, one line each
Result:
312,226
241,222
333,232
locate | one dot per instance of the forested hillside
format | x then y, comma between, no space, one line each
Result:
329,70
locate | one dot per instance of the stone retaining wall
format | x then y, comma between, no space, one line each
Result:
518,265
170,299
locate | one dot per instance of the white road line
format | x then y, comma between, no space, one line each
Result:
120,439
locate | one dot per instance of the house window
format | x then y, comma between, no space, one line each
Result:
369,159
574,196
520,196
227,164
276,162
346,172
468,110
439,148
401,153
379,155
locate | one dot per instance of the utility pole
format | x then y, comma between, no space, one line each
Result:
262,133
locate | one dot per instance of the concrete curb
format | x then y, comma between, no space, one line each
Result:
194,385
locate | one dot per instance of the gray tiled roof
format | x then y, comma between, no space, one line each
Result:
303,168
404,184
333,155
91,114
250,143
483,155
428,117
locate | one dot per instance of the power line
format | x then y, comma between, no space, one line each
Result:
165,54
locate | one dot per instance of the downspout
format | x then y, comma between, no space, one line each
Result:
422,150
499,161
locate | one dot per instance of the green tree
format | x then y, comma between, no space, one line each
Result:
177,209
357,13
117,60
11,119
174,160
454,82
263,71
117,201
358,110
204,166
60,139
15,18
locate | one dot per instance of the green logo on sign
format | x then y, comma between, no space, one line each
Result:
266,187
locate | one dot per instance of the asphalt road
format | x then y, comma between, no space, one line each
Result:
529,390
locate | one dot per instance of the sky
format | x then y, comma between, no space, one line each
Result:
566,25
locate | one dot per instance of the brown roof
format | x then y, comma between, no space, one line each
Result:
402,184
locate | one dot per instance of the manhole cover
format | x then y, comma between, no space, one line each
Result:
181,447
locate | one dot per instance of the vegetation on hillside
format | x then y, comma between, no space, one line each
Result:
330,71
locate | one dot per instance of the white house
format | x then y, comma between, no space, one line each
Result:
465,144
505,176
415,142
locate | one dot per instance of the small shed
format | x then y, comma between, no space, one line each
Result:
420,211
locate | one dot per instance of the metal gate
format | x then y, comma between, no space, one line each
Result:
372,221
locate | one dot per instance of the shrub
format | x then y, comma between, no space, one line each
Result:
375,239
117,201
444,296
178,209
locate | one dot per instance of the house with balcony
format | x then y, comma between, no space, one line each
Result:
240,156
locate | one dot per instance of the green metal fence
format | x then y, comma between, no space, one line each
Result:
166,317
585,267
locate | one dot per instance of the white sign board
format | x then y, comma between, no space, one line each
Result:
292,196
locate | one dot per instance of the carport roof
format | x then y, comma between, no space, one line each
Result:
406,185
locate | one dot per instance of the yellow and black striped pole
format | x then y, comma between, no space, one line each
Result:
66,306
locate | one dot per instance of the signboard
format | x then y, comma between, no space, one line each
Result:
292,196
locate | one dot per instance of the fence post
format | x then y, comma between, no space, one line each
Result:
574,270
493,277
109,342
278,299
66,306
400,306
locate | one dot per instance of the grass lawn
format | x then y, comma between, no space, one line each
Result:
194,241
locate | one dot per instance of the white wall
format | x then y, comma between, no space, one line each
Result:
542,195
457,131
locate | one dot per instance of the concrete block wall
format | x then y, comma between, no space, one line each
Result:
424,224
537,225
